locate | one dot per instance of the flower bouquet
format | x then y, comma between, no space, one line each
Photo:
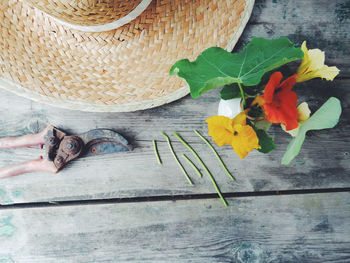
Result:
265,95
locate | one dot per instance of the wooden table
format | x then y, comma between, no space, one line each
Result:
127,208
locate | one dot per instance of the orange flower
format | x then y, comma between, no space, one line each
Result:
279,102
303,115
234,132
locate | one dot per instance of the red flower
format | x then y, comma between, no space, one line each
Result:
279,102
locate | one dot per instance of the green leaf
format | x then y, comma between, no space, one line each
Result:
216,67
327,116
230,92
263,125
265,141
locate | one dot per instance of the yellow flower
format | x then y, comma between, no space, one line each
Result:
312,66
234,132
303,115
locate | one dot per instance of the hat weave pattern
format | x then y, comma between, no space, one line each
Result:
120,70
86,12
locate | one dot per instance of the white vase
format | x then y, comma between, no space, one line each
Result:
229,108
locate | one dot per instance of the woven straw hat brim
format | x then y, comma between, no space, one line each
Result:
92,15
126,69
86,12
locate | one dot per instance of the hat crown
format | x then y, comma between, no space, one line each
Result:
92,13
125,69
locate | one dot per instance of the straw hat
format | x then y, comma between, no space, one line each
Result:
109,55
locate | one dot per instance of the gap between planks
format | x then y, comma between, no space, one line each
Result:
171,198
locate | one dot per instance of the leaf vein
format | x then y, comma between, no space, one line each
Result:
263,62
212,64
245,57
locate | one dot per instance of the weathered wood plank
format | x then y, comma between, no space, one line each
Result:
324,161
297,228
323,24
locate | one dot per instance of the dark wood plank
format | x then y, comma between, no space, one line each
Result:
323,162
323,24
297,228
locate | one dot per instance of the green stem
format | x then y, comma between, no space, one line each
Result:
216,154
242,93
177,159
156,152
216,187
205,168
192,164
190,148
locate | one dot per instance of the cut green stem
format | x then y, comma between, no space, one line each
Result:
156,152
242,93
205,168
216,154
216,186
177,159
192,164
190,148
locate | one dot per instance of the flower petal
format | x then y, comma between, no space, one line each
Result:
304,48
282,106
328,73
316,57
312,66
245,140
303,112
306,61
240,119
273,84
293,132
283,110
221,129
288,84
235,132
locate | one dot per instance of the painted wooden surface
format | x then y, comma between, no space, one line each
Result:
323,163
293,228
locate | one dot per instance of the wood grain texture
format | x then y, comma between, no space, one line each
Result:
297,228
323,162
323,24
